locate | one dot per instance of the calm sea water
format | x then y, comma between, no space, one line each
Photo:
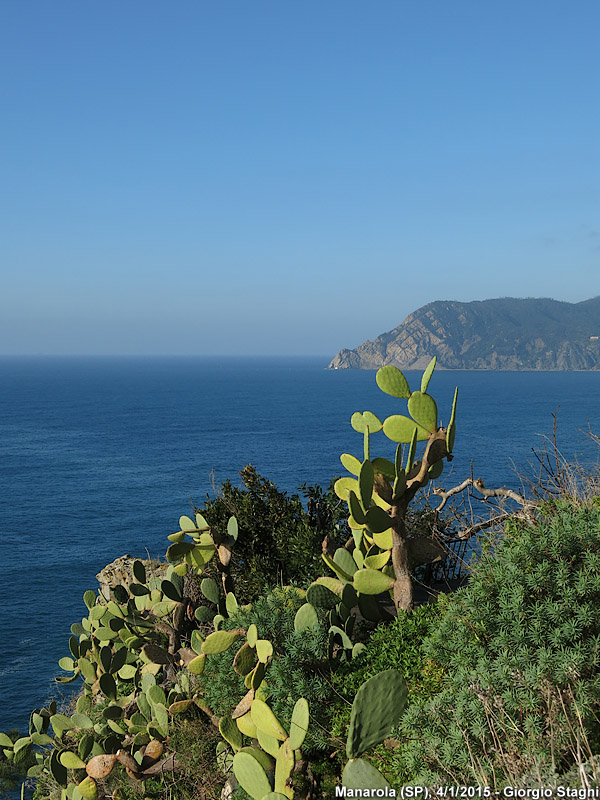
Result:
100,457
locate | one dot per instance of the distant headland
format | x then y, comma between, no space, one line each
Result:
502,334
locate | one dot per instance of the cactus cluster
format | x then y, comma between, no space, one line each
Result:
380,490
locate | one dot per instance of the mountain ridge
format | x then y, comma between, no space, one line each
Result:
499,334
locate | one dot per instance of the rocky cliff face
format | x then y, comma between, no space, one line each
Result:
507,334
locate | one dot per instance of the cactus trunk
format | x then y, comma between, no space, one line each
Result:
403,587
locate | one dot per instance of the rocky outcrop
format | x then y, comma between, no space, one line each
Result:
120,572
503,334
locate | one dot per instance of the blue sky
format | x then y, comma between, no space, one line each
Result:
288,177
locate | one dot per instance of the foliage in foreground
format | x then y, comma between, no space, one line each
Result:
521,650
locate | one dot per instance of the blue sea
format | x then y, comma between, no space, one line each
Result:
101,456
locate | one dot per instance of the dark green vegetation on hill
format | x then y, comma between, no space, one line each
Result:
281,655
507,334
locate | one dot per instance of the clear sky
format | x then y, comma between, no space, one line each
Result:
288,176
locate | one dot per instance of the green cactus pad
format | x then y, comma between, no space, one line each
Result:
306,617
97,612
231,604
356,508
333,584
176,537
179,550
186,524
299,723
365,421
382,466
399,428
71,760
232,528
344,561
252,635
210,590
156,654
245,659
257,675
335,567
435,471
321,597
89,598
384,540
139,571
204,614
231,733
359,774
351,463
378,520
264,650
250,775
82,721
370,581
391,381
357,554
365,483
451,432
377,707
284,764
349,597
341,636
423,409
156,695
201,523
88,789
377,561
66,663
427,374
219,641
268,743
266,721
246,726
108,686
344,485
87,669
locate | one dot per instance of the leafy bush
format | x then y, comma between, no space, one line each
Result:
398,645
521,650
278,542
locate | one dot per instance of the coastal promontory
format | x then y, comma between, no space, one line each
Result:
501,334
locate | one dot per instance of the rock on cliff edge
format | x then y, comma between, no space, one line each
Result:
507,334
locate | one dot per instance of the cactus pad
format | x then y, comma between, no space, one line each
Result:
391,381
399,428
284,764
266,721
378,520
219,641
377,707
359,774
423,409
370,581
365,422
351,463
250,775
299,723
427,374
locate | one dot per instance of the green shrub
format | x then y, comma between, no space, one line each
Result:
278,542
299,667
395,645
521,650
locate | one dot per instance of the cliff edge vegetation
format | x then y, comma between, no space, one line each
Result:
503,334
